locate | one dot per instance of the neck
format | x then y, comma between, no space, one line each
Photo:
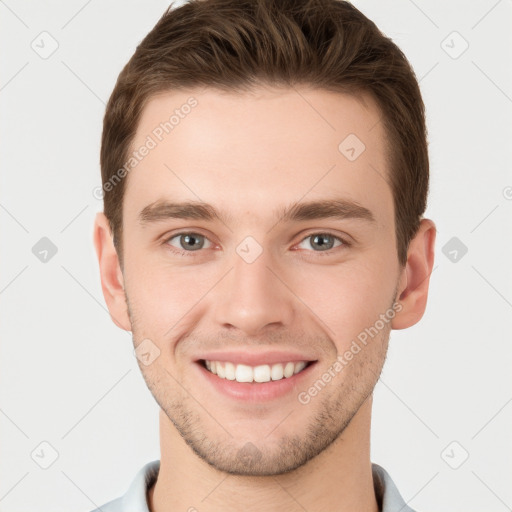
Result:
339,478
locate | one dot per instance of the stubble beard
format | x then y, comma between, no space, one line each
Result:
329,415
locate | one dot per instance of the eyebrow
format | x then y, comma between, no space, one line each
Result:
300,211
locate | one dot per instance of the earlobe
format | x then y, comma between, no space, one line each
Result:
112,281
414,280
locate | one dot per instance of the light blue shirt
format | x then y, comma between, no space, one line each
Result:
135,499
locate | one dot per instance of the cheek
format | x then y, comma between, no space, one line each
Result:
162,296
347,299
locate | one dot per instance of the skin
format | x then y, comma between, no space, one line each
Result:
249,154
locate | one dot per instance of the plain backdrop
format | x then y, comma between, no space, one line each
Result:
69,379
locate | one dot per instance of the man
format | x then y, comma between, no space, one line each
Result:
265,171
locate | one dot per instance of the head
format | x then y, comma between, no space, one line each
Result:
265,173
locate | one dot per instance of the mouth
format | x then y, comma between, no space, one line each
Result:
255,379
254,374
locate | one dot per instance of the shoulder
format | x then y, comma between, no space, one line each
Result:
135,498
388,496
112,506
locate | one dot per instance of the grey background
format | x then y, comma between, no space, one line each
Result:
68,375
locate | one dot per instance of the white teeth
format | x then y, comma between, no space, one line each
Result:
261,373
229,369
220,371
243,373
277,372
299,367
288,369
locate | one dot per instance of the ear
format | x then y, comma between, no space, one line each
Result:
414,279
112,281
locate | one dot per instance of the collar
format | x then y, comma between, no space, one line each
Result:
135,498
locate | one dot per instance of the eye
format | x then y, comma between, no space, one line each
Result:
189,242
322,242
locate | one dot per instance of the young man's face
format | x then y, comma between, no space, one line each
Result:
256,285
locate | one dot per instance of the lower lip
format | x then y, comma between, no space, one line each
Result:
256,391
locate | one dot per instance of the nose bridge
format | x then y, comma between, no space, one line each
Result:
251,296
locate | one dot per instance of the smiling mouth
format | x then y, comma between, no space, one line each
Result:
261,373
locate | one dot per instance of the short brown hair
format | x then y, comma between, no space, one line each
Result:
236,44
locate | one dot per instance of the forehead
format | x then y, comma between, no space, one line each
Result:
253,151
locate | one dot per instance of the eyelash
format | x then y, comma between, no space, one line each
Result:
344,243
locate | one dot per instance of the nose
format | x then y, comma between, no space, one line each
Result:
252,297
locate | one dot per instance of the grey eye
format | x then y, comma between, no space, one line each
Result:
322,241
188,241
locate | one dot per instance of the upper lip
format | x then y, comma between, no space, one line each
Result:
255,358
